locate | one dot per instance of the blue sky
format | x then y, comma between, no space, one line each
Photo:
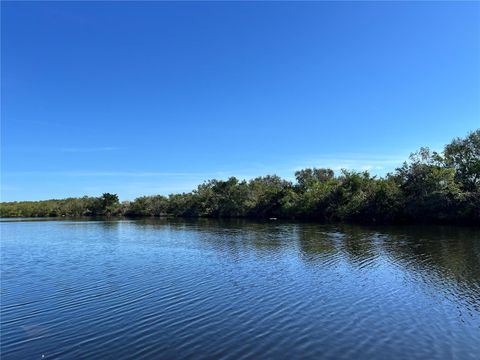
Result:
154,98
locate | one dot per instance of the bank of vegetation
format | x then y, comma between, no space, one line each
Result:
429,187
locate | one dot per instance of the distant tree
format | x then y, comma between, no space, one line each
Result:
107,204
464,156
109,200
430,186
351,197
230,197
266,196
306,178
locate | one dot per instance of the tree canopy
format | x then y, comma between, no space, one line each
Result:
429,187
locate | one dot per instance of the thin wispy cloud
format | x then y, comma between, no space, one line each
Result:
88,173
88,149
375,164
359,162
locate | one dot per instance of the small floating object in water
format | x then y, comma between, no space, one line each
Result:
272,218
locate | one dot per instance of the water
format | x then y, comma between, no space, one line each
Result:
208,289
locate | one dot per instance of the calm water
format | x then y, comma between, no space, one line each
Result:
207,289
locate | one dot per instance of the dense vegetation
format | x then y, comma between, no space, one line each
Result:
430,187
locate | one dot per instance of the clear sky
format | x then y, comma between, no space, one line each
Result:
154,97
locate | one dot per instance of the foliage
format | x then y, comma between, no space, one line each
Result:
463,155
429,187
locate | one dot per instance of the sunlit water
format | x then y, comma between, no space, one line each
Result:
207,289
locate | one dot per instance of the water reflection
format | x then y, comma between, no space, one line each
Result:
451,253
163,288
446,257
449,256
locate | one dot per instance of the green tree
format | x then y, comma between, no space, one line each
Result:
307,178
266,196
464,156
428,186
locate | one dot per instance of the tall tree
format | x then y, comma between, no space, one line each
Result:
464,156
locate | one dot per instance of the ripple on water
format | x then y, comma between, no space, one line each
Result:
235,289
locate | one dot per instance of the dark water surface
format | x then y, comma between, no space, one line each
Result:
163,289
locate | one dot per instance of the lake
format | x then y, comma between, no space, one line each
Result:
168,289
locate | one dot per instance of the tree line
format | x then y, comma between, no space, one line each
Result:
429,187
